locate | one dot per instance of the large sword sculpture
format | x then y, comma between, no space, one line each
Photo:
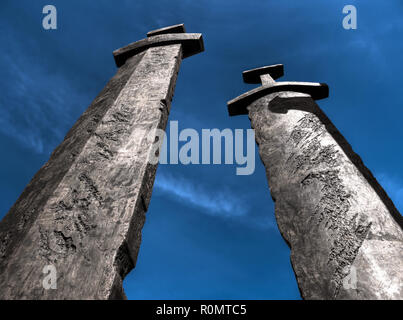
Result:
82,214
345,233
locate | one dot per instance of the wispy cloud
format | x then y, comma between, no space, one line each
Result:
217,203
42,92
36,116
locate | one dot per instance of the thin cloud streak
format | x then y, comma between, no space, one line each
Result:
213,202
223,203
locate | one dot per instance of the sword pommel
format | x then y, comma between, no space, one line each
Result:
177,28
253,76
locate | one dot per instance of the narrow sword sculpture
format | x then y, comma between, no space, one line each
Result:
344,232
82,214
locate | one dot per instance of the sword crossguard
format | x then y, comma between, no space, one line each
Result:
266,76
192,43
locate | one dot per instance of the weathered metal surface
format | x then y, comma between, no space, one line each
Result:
344,232
192,43
84,210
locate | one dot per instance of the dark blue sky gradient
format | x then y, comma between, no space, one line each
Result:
209,234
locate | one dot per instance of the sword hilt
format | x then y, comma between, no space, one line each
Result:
192,43
266,76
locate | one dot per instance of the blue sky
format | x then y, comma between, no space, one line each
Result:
209,234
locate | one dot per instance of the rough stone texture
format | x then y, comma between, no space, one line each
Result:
192,43
331,211
177,28
84,210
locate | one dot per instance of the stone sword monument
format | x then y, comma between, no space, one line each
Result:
83,212
344,232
